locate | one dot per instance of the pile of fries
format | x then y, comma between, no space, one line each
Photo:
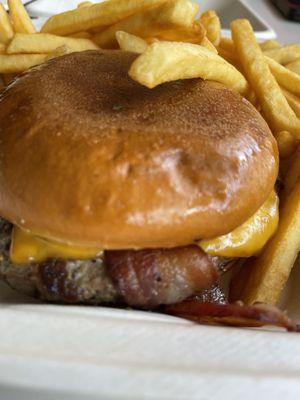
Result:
174,42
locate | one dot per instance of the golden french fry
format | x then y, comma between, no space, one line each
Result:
20,19
2,48
45,43
287,143
285,54
293,101
13,64
274,105
205,42
96,16
60,51
85,4
169,61
230,57
6,30
212,24
8,78
263,279
286,78
294,66
292,176
227,44
270,44
128,42
81,35
171,18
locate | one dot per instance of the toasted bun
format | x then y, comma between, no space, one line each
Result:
90,157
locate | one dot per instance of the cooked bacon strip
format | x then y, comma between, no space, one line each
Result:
236,314
148,278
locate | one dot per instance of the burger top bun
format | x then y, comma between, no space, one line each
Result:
90,157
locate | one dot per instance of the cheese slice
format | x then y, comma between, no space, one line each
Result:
26,248
249,238
245,241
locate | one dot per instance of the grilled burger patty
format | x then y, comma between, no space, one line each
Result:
145,278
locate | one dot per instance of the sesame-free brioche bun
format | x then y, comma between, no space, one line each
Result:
90,157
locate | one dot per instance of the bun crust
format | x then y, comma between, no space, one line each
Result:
90,157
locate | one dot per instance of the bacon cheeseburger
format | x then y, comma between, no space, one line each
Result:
114,193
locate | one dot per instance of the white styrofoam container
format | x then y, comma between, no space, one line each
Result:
70,352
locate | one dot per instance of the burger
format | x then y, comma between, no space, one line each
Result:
113,193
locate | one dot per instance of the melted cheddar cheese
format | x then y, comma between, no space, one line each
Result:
249,238
26,248
245,241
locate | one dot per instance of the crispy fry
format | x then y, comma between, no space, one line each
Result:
85,4
205,42
96,16
19,62
285,54
20,19
128,42
60,51
227,44
2,48
81,35
287,144
263,279
230,57
8,78
293,101
45,43
168,61
166,21
286,78
294,66
274,105
270,44
292,176
212,24
6,30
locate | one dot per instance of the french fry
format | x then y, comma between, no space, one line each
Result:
227,44
285,54
20,19
81,35
45,43
286,78
8,78
274,105
171,18
169,61
128,42
6,30
85,4
96,16
2,48
60,51
293,101
270,44
230,57
13,64
287,144
292,176
212,24
294,66
263,279
205,42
